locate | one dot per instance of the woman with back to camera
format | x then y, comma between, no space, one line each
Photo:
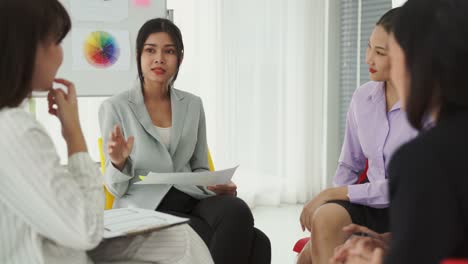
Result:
429,202
51,213
375,127
154,127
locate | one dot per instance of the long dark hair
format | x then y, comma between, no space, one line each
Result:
155,26
387,21
24,25
433,35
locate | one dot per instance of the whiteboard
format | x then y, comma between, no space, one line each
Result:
99,81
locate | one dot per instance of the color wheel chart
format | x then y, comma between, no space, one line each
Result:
101,49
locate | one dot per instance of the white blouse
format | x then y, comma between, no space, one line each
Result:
49,213
165,133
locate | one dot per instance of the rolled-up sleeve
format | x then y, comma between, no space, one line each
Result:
373,194
352,160
352,163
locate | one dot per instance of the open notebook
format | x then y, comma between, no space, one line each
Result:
134,221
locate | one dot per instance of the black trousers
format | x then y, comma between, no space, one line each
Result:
226,225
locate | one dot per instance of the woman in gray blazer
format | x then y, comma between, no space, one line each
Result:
154,127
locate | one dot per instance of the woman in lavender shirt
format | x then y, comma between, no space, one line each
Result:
375,128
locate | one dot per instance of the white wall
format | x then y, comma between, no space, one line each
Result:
88,110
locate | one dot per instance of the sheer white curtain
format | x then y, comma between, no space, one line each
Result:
259,67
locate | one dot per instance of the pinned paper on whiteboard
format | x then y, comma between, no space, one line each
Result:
99,10
103,49
142,3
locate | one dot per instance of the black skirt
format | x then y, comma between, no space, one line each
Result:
376,219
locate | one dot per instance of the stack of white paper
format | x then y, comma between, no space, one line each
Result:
205,178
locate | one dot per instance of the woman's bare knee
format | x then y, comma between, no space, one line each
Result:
330,218
327,231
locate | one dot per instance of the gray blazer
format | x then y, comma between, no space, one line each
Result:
187,153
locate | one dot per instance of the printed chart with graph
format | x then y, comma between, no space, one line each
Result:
101,49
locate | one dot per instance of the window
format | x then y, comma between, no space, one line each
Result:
358,18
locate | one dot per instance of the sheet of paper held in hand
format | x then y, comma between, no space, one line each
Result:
205,178
134,221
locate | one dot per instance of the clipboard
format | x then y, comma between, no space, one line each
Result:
136,221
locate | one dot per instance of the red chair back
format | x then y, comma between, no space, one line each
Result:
363,176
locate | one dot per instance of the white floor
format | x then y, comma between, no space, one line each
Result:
281,225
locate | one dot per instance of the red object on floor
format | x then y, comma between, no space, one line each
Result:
362,178
300,244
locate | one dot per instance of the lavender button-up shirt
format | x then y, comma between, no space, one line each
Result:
374,134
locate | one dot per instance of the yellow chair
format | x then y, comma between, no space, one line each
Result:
210,161
109,196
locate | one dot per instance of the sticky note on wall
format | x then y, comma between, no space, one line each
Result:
142,3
